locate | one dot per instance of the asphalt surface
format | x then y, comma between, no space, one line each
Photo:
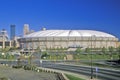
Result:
100,73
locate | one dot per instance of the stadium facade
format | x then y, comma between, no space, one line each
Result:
46,39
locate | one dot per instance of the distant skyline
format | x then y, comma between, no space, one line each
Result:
100,15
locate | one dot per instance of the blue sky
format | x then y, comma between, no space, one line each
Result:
102,15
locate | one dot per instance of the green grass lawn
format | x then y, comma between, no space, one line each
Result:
81,56
70,77
95,56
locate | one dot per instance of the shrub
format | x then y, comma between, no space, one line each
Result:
17,66
3,78
27,67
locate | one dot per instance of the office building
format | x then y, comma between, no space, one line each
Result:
4,42
26,29
12,32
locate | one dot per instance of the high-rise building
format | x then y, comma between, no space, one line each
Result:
4,42
26,29
3,35
12,32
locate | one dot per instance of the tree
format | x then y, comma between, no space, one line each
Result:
87,50
104,50
111,50
12,48
5,49
78,50
44,54
118,50
38,50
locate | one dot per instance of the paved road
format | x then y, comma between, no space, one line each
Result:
102,73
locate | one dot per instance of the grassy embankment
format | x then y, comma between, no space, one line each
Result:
70,77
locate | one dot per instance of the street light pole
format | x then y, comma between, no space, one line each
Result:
91,57
91,64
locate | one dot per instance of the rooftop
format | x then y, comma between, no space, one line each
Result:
68,33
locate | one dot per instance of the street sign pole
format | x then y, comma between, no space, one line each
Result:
96,72
41,63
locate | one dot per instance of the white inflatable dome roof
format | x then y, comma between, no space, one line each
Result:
68,33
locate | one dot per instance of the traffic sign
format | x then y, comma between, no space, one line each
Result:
96,69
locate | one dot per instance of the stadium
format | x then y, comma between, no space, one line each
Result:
48,39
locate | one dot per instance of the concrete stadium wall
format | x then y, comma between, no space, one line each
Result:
55,42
